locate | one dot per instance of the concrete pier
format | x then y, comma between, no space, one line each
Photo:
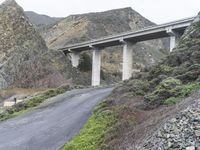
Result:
127,60
172,42
75,56
173,30
96,66
174,38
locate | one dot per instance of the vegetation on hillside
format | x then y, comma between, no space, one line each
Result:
167,83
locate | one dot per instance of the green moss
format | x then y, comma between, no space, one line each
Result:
92,134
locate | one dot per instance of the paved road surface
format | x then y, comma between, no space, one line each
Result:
53,123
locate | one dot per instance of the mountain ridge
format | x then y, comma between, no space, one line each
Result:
85,27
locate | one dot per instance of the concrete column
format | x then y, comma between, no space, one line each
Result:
127,60
174,38
75,56
96,66
172,42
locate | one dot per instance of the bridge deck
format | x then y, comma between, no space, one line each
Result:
150,33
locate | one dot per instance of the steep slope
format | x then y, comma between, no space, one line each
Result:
156,109
24,58
149,98
79,28
41,21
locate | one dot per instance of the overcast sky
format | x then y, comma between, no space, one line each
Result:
158,11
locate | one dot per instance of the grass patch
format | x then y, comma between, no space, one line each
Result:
32,102
91,136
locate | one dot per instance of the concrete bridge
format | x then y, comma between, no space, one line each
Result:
173,30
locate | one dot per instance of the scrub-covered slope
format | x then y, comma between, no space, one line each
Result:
139,106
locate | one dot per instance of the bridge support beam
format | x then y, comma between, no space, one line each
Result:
75,56
127,60
174,38
96,66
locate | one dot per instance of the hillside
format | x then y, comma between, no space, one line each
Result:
41,21
79,28
156,109
24,57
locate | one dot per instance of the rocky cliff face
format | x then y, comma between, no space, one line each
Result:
25,60
79,28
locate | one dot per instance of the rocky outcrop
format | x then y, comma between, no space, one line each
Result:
25,60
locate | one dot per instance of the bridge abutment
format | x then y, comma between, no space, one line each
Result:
127,60
75,56
96,66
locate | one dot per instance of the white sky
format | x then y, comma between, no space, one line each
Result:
158,11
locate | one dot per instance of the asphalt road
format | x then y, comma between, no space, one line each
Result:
53,123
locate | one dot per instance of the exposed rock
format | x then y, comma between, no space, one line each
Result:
178,133
24,57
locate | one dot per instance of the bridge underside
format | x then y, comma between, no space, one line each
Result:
173,31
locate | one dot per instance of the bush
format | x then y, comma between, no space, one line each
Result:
189,88
160,70
184,92
169,87
171,101
136,87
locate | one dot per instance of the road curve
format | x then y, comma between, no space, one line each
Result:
53,123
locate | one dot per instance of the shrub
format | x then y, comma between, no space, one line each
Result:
136,87
189,88
169,87
171,101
